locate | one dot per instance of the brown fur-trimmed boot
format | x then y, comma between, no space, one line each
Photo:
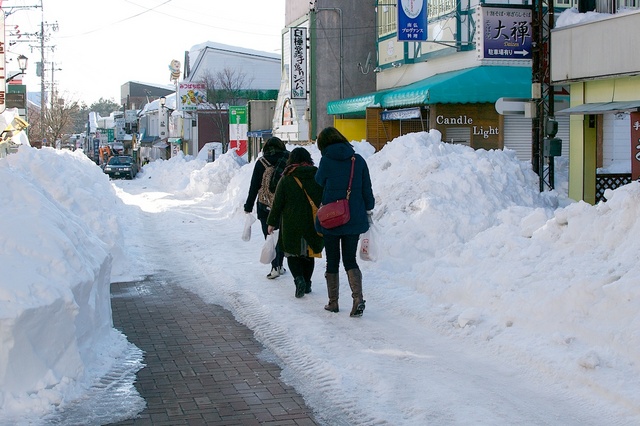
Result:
333,288
355,282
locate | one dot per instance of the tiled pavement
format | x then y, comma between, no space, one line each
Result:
202,366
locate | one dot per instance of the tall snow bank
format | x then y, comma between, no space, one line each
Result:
56,251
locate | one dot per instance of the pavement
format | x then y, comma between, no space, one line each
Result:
202,367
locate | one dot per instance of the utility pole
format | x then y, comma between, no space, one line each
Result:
542,90
43,99
44,37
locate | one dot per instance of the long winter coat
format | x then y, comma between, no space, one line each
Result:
291,211
256,183
333,174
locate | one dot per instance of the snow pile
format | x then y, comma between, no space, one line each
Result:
56,249
439,201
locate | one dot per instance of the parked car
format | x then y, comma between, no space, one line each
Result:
121,166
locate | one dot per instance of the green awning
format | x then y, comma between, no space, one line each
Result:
355,104
472,85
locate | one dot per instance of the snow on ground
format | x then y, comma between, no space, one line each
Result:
490,303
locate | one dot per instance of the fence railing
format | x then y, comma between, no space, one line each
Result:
610,181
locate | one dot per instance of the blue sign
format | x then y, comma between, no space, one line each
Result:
412,20
507,33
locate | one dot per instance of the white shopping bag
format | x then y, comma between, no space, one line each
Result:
268,252
246,234
369,244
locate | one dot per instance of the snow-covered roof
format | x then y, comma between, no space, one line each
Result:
261,69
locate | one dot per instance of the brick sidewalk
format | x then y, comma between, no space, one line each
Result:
202,366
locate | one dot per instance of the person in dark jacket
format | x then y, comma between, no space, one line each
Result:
294,213
333,175
273,150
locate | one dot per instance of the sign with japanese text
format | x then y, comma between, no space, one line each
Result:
412,20
298,63
635,145
238,129
163,125
119,130
130,116
401,114
506,33
191,95
3,70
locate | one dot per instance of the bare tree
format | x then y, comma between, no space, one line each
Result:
55,122
226,87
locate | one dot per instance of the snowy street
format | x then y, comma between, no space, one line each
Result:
489,302
392,366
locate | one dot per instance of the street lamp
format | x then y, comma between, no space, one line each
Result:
22,64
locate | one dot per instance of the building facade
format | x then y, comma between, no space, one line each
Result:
328,52
231,76
472,55
602,73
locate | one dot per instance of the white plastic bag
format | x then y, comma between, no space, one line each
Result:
246,234
268,252
369,244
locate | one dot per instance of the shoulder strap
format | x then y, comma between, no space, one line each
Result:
265,162
353,162
313,205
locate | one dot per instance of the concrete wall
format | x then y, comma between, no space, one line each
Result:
343,34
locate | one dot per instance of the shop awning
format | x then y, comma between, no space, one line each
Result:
601,108
471,85
148,140
355,104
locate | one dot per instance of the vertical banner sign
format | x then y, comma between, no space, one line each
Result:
238,129
298,63
412,20
635,145
3,67
163,132
507,33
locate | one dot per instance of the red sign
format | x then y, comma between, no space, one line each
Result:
635,145
240,146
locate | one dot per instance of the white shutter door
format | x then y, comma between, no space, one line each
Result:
517,136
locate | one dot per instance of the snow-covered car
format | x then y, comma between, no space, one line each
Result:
121,166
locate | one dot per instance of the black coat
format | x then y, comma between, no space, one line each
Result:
256,182
292,212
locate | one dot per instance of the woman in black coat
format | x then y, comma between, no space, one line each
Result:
296,197
333,175
272,151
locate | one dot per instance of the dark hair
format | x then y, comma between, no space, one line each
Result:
299,155
273,144
329,136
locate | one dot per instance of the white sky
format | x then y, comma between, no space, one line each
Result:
489,304
102,44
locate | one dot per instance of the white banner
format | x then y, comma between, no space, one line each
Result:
3,76
298,63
